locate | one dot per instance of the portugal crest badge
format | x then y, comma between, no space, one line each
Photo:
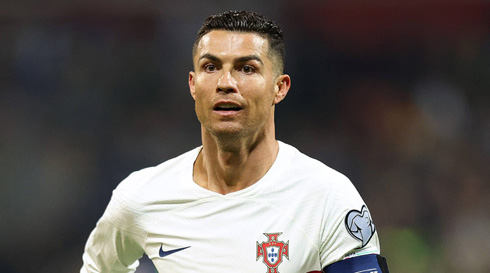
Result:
272,251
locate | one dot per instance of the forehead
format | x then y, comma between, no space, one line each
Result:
222,43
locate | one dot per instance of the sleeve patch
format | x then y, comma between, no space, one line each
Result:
360,225
372,263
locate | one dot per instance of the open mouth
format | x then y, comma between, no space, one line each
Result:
227,107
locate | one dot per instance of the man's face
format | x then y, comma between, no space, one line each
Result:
235,84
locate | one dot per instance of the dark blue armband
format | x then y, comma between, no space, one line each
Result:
371,263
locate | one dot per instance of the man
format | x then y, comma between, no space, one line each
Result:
242,202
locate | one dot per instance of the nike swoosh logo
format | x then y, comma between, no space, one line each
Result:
163,253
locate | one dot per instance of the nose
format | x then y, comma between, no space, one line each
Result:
227,83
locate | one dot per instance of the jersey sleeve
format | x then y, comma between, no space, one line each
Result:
116,243
347,229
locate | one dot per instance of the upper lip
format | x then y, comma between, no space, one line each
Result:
226,103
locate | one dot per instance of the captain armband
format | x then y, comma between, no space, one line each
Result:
371,263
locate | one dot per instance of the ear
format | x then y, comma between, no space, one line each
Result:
192,77
283,83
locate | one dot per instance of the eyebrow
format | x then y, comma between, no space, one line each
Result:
243,59
210,57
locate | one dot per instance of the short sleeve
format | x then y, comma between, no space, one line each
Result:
347,229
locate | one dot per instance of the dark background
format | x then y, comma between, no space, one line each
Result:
394,94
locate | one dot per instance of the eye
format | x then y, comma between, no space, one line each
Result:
248,69
210,67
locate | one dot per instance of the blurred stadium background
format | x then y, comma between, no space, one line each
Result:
395,94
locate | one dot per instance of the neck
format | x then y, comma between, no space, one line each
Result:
229,165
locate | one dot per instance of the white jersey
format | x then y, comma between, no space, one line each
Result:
300,217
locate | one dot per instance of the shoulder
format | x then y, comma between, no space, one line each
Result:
341,206
310,170
142,187
312,180
144,191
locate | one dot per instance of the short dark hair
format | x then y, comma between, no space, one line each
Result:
246,21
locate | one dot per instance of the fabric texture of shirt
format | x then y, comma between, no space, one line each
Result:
299,217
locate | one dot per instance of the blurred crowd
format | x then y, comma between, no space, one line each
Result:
394,95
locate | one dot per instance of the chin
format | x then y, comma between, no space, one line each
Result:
228,133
